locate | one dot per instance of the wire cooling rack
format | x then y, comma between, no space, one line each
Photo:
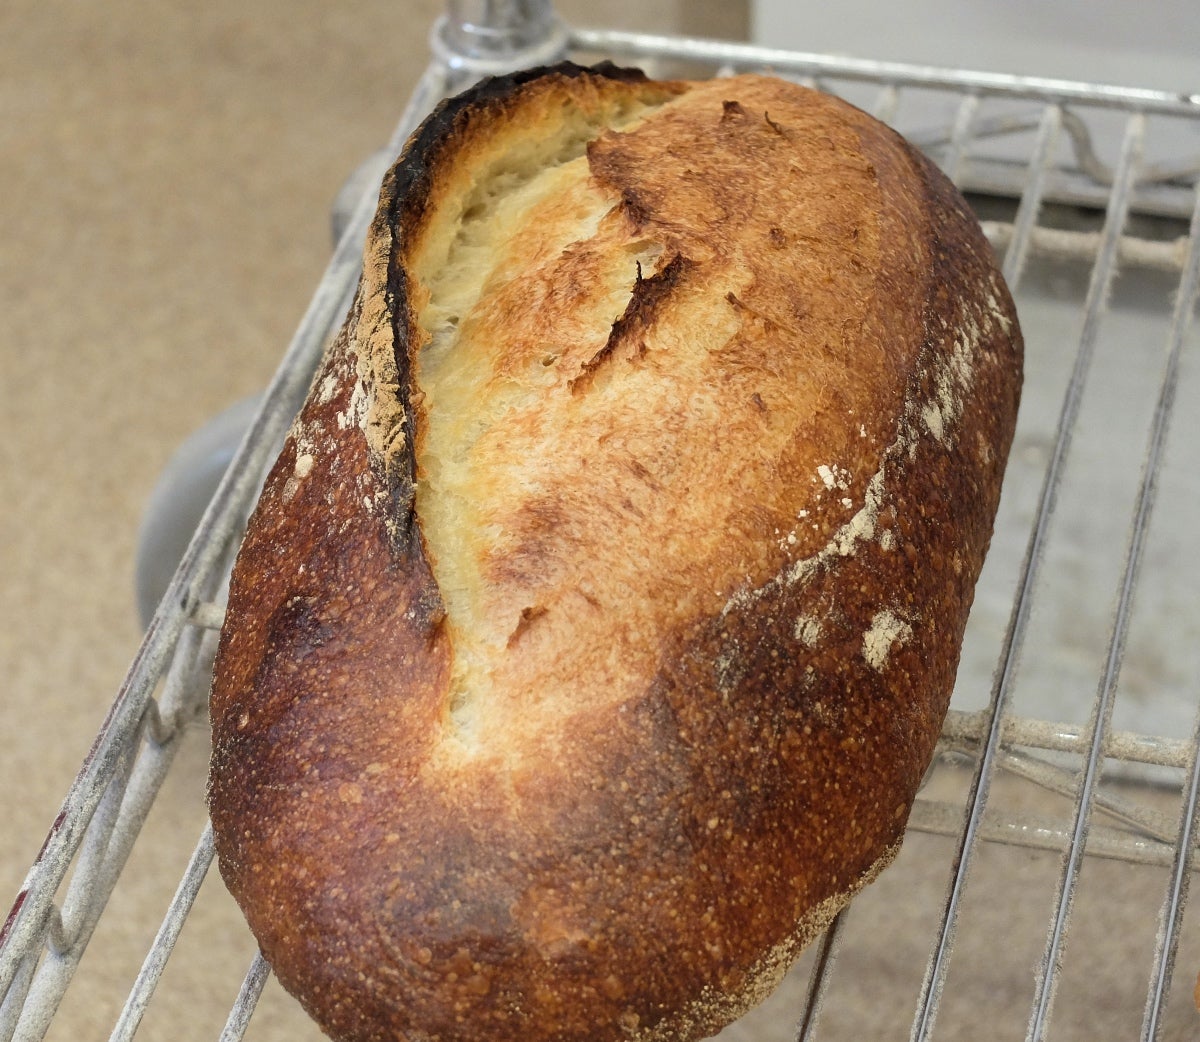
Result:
1063,801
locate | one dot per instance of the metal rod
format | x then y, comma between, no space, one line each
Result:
887,104
1048,971
201,567
209,615
960,137
185,688
246,1001
818,982
1171,916
164,940
613,41
991,127
25,927
1060,781
88,891
14,1000
1031,199
68,930
108,841
1038,832
1160,255
1068,738
977,797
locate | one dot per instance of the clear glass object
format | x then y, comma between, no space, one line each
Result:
496,28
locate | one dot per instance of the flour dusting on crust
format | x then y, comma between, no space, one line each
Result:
935,415
887,630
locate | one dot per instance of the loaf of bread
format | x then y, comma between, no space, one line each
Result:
596,624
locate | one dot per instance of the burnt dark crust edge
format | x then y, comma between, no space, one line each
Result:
407,184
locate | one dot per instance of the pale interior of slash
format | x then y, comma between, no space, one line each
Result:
467,255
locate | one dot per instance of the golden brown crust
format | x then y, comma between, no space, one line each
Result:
601,765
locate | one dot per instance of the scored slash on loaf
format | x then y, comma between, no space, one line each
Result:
597,622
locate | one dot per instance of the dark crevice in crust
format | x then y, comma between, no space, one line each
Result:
649,295
401,468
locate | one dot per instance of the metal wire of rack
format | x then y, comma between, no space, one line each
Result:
1056,211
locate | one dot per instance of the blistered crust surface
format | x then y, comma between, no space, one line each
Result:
598,619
